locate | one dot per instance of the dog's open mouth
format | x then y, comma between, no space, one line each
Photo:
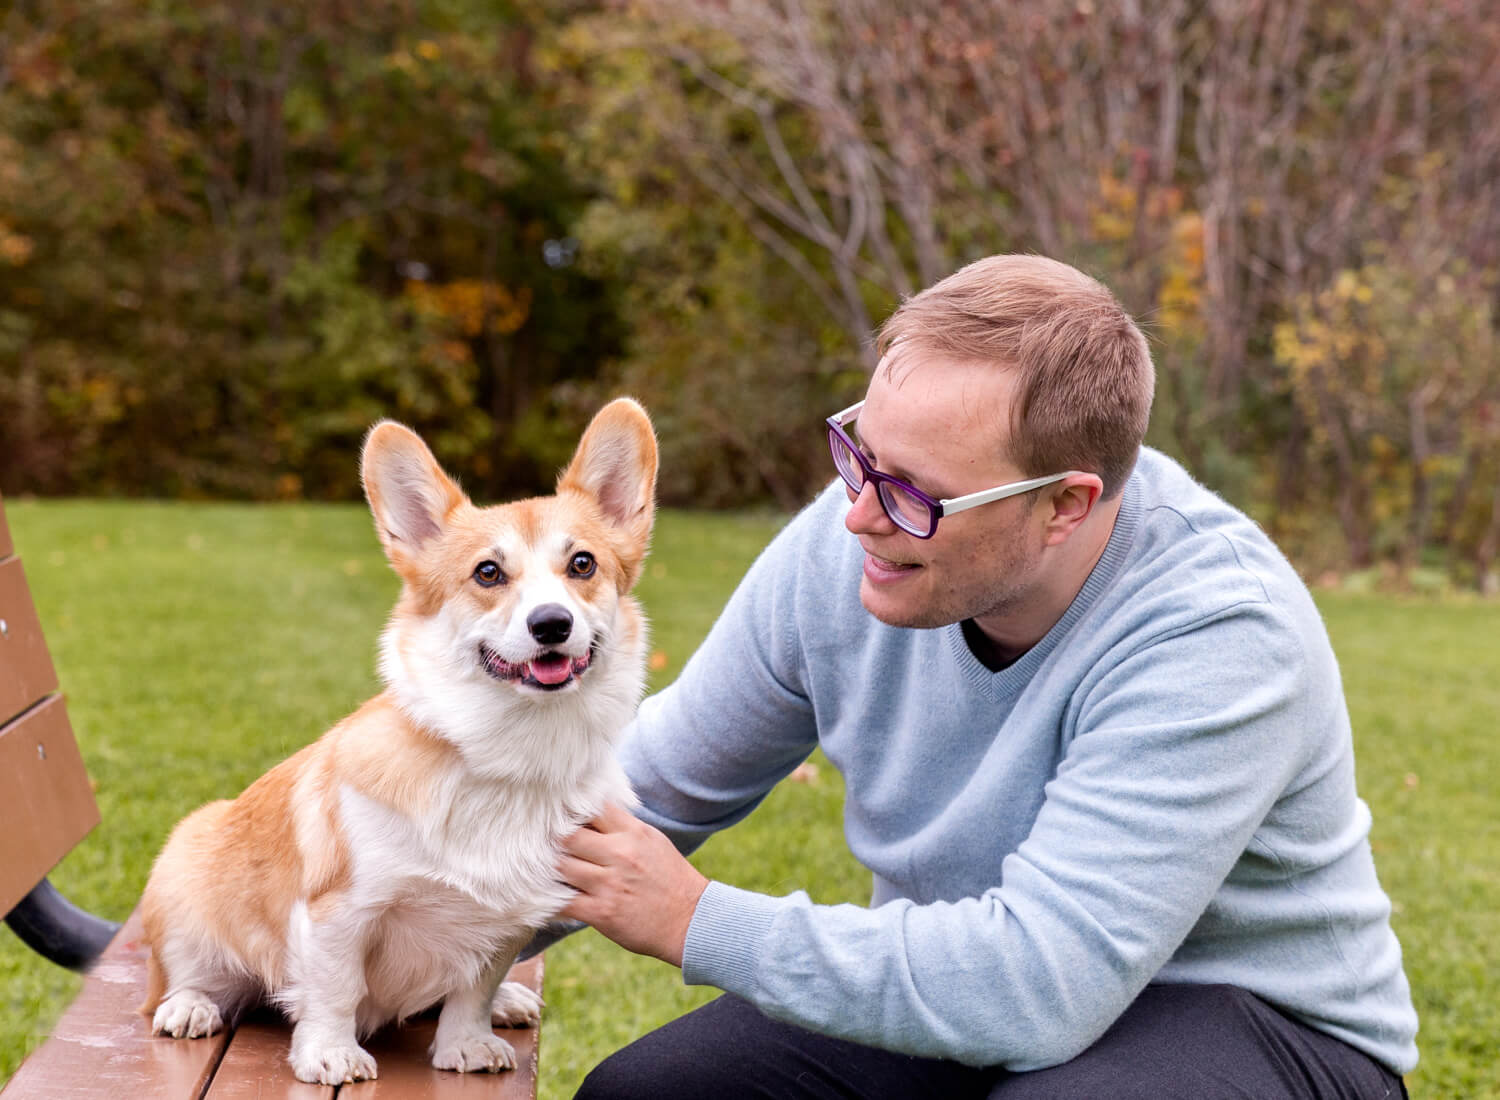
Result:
549,671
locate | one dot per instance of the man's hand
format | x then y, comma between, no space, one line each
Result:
633,885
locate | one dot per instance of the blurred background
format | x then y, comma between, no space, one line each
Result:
232,235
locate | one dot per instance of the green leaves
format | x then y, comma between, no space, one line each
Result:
210,215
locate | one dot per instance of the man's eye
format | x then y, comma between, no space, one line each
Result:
488,574
582,565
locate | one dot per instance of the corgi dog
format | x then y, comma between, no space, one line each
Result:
407,856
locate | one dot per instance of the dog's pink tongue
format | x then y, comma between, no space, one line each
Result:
552,669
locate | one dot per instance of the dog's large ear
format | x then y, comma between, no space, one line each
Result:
409,494
616,465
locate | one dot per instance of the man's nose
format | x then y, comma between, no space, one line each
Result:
866,515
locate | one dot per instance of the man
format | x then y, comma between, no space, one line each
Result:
1095,748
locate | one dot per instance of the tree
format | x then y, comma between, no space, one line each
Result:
234,235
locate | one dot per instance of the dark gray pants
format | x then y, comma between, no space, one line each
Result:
1196,1042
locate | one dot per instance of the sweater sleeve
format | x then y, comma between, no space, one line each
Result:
1179,752
704,752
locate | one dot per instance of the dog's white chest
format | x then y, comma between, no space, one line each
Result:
494,844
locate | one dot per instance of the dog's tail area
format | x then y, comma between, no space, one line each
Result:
156,986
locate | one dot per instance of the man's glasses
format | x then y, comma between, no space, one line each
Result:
908,507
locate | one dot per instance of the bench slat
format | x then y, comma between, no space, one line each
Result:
26,672
46,802
6,546
401,1054
255,1065
102,1047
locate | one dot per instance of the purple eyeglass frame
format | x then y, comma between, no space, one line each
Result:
936,509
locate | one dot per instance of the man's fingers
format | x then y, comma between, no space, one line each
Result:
612,819
586,844
580,874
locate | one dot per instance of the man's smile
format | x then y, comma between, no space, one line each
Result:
884,571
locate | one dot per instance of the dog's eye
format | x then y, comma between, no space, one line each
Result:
488,574
582,565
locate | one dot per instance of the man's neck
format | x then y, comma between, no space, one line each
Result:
1011,631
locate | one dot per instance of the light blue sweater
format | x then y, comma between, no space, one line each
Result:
1162,789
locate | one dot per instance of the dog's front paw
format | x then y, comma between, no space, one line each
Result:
515,1005
479,1053
335,1065
187,1014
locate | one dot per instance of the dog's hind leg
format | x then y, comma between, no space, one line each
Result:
202,990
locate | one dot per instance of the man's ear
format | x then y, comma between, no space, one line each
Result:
615,464
410,496
1071,501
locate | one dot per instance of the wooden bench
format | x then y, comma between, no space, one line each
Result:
102,1046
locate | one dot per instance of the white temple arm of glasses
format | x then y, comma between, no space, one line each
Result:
843,417
1015,488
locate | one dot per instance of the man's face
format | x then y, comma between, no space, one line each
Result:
943,427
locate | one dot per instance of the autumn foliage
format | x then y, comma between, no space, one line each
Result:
231,235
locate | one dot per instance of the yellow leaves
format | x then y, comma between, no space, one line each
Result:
1299,346
473,307
410,59
1172,233
1113,217
456,351
1181,295
15,248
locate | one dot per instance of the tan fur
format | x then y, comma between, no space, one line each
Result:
422,786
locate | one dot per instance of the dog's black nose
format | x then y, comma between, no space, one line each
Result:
550,624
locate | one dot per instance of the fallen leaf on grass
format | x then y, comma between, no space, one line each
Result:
806,773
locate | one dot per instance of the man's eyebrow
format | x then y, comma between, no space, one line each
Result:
896,472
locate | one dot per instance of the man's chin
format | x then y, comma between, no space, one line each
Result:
883,606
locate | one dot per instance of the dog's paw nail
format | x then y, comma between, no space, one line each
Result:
475,1054
334,1066
187,1015
515,1005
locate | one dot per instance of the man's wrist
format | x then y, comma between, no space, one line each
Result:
686,909
727,937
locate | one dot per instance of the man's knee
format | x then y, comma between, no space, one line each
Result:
1185,1042
697,1055
615,1078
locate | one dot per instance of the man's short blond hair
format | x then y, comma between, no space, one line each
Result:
1085,375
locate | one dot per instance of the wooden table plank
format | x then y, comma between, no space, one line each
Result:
102,1048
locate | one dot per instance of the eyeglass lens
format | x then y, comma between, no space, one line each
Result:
906,511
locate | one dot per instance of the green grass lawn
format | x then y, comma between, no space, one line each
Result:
200,644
